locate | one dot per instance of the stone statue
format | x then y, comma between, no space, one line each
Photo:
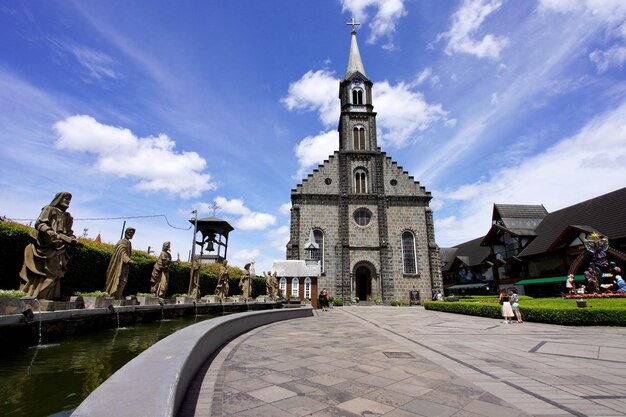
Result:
244,282
194,280
117,272
271,285
222,281
45,258
161,272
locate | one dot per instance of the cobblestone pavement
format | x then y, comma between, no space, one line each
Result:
407,361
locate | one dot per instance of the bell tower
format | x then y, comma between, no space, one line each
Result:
357,123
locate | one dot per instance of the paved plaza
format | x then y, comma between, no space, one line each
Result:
407,361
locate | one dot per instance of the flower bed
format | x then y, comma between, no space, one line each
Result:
602,295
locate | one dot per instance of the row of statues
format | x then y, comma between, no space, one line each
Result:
46,258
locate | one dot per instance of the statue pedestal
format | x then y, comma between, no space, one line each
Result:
149,301
11,306
48,305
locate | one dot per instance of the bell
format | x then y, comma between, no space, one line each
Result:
209,246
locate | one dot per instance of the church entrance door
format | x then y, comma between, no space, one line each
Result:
363,283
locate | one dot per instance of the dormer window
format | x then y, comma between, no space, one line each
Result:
357,96
358,136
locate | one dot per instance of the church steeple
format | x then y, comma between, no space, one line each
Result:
357,124
354,60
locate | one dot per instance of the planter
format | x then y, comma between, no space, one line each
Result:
581,303
185,300
148,301
11,305
98,302
210,300
48,305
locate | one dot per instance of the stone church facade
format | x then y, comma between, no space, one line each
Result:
370,222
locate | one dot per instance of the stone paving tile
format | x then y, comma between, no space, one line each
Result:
363,406
429,409
459,367
272,393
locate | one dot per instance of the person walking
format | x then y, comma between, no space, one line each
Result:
515,305
505,301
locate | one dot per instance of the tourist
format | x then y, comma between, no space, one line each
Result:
507,311
515,305
320,301
569,284
621,284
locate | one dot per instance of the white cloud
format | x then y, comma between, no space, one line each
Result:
248,219
255,221
466,22
285,208
315,91
97,64
278,238
386,17
402,113
152,161
243,256
313,150
234,206
610,14
614,56
577,168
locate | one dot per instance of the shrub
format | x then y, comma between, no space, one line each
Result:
88,264
92,294
338,302
11,294
601,312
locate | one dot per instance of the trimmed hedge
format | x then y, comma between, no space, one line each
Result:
551,311
88,264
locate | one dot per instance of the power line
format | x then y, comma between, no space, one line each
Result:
121,218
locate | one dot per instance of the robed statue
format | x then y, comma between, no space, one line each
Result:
45,258
271,285
244,282
194,279
117,272
222,281
161,272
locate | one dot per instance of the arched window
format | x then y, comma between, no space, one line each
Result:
358,138
295,287
282,286
409,256
360,181
307,288
357,96
318,255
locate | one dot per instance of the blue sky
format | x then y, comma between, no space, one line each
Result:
145,108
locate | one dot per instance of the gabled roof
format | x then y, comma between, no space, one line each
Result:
518,216
516,219
475,253
606,214
469,253
518,211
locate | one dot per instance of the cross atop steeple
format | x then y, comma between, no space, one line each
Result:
353,23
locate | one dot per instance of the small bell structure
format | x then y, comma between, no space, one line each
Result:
213,233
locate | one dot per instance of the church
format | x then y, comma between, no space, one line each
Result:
361,216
